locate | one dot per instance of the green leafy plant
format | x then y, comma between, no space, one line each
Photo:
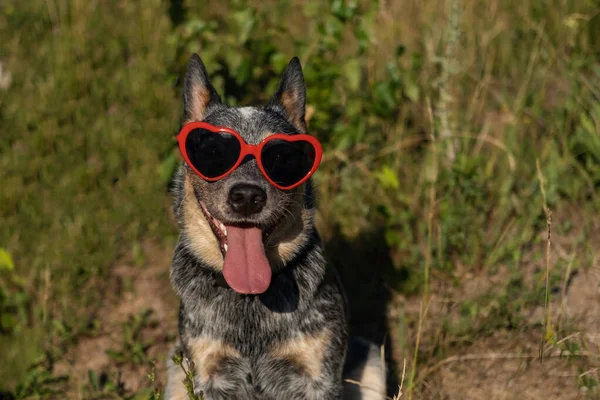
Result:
189,372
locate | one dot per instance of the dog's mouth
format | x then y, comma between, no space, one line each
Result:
220,229
245,266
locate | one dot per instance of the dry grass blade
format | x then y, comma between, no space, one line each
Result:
548,213
358,383
400,393
448,64
496,356
400,387
563,296
422,313
512,163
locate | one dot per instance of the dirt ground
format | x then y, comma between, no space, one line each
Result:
503,366
137,289
506,366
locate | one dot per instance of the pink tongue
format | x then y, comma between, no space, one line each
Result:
246,268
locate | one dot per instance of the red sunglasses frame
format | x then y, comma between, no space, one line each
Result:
249,149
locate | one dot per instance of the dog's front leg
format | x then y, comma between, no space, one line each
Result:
220,371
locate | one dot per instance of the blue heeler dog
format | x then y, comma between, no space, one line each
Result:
262,315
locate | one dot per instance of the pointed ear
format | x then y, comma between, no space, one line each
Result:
198,93
290,98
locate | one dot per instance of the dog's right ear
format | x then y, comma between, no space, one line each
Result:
198,93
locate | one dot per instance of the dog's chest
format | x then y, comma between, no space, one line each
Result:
243,323
249,349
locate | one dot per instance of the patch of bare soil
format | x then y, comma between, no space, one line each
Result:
134,290
490,376
506,364
501,367
583,304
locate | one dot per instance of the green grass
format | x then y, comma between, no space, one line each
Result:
86,125
433,117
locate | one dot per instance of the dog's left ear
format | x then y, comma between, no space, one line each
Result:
290,98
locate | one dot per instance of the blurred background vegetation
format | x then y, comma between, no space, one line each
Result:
448,126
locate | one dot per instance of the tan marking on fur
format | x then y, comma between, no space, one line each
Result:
266,135
289,249
207,354
203,241
289,236
290,102
198,102
307,352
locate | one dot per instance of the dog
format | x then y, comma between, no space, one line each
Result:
262,315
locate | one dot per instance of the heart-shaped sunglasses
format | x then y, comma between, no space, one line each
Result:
214,152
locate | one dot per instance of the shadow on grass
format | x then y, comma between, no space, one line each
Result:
366,271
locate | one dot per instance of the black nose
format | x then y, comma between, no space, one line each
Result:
247,199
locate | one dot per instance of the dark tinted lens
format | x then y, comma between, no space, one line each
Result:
287,163
211,153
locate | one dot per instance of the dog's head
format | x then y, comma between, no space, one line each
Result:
241,225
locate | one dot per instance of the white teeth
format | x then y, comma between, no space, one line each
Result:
222,228
225,246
